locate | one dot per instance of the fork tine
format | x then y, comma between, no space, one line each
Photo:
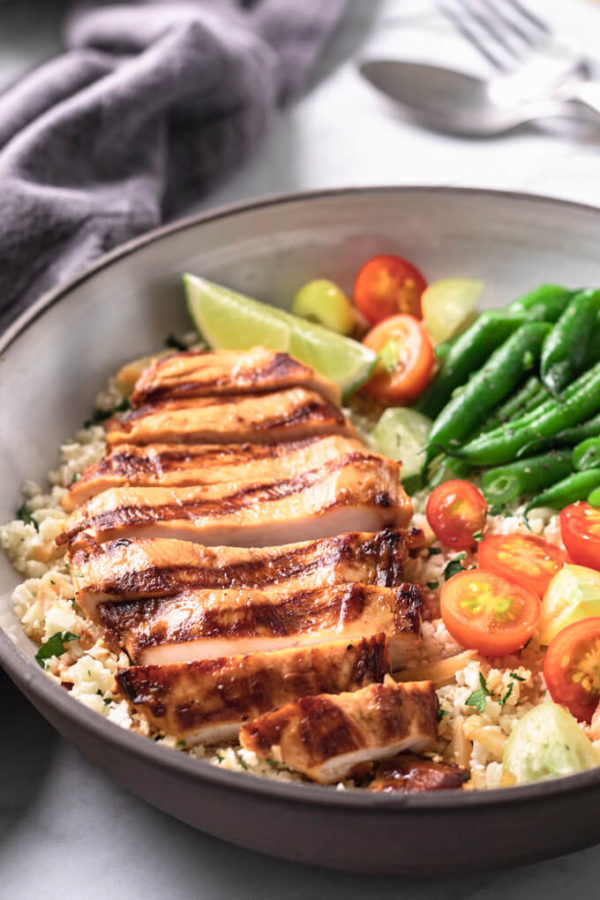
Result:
471,35
484,16
531,17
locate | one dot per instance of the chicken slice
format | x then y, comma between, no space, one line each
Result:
178,465
288,415
326,736
358,492
220,372
129,569
407,773
209,624
208,700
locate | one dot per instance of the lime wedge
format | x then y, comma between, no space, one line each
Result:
230,321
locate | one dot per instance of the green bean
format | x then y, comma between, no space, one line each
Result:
564,351
571,489
443,468
467,353
530,395
579,401
594,497
505,483
496,380
586,455
568,437
546,303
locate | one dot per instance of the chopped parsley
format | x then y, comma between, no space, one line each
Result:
101,415
478,698
55,646
496,510
181,744
25,516
509,691
220,757
174,343
242,762
517,677
454,567
75,477
478,536
434,551
433,585
441,713
271,762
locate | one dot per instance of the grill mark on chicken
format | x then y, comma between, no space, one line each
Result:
197,374
311,495
182,465
204,698
290,414
131,568
407,773
326,736
247,617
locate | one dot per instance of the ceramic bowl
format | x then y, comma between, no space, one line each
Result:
57,356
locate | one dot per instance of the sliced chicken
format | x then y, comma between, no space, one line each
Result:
178,465
129,569
209,624
220,372
326,736
407,773
357,493
288,415
208,700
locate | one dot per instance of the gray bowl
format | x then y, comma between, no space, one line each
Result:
55,358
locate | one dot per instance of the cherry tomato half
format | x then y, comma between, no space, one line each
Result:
407,359
387,285
522,557
489,613
580,531
456,510
572,667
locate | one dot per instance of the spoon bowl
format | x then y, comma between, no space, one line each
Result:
453,101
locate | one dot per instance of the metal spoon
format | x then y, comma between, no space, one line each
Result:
451,101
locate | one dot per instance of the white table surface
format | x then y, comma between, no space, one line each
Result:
66,829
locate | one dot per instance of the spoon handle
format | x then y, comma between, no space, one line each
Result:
587,93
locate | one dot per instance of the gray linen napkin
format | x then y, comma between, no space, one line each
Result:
150,104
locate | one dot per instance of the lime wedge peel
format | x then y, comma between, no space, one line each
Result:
230,321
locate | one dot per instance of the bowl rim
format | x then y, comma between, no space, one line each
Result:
38,683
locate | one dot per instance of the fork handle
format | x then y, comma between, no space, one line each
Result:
587,93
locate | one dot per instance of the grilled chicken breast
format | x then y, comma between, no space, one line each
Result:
359,493
178,465
221,372
327,735
209,624
129,569
287,415
407,773
207,700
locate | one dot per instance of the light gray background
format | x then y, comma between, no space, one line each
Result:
65,829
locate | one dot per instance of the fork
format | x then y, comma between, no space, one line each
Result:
523,50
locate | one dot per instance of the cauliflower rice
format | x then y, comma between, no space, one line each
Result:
470,735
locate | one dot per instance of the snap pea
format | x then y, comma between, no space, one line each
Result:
564,351
505,483
465,355
575,487
484,390
546,303
586,455
579,401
